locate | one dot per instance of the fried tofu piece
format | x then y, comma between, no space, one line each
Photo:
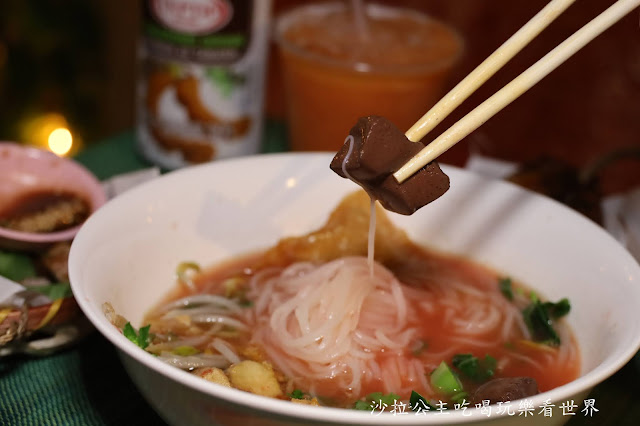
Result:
214,375
345,234
255,377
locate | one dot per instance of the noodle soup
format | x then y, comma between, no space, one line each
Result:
327,329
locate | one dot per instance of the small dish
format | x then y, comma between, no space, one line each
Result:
26,170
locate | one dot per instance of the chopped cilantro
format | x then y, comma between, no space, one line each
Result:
539,319
141,338
506,288
297,394
130,333
363,405
559,309
478,370
417,402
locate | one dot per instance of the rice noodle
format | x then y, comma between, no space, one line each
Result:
201,310
372,210
219,319
321,323
225,350
189,341
372,235
194,361
201,299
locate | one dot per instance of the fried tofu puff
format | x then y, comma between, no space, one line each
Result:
255,377
214,375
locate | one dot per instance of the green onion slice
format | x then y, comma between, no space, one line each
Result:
445,380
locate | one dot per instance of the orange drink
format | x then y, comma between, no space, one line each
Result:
334,72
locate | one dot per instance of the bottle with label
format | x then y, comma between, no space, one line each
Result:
201,83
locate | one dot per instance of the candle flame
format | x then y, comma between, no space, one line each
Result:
60,141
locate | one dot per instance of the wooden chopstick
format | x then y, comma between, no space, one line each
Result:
487,68
515,88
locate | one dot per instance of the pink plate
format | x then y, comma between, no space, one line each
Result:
27,169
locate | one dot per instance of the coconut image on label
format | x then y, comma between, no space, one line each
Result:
196,17
201,80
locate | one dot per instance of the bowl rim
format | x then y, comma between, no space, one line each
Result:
94,191
328,414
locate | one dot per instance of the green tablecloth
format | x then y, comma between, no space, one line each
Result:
87,385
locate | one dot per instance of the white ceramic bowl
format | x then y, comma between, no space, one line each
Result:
127,252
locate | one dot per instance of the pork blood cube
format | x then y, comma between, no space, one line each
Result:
380,149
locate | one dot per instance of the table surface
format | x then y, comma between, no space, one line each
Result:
87,385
